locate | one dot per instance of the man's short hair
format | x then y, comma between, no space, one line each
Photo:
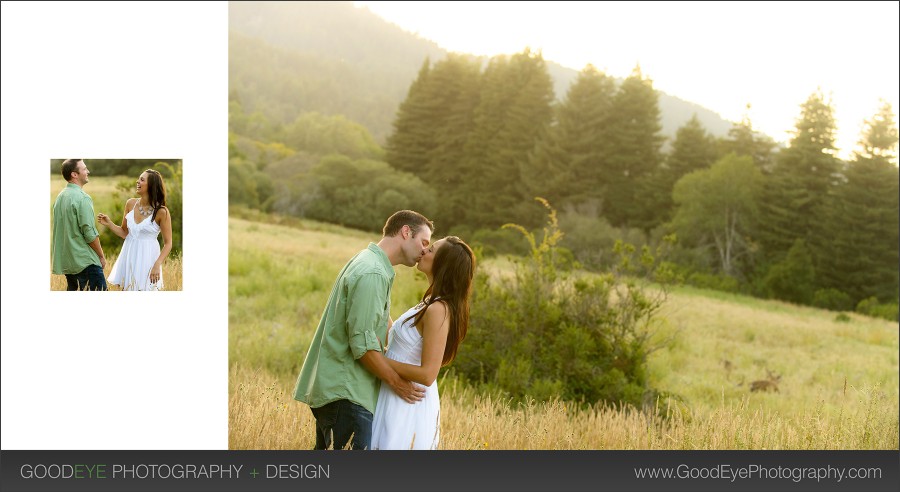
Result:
414,220
68,167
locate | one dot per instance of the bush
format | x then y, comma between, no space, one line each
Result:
591,238
498,242
792,279
871,307
360,193
720,282
551,333
842,318
832,299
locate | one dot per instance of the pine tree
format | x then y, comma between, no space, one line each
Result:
635,142
694,149
408,147
859,240
432,127
744,140
802,177
513,113
566,167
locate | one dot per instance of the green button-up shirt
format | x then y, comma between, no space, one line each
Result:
73,230
354,322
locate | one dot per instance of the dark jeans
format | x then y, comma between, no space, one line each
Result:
336,421
91,278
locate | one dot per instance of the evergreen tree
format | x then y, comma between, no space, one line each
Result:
566,167
859,238
432,127
694,149
743,140
456,82
801,179
408,147
879,140
635,142
513,112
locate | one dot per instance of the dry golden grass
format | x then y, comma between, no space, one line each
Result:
172,274
264,415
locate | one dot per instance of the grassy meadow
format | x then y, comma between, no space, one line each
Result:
838,387
105,196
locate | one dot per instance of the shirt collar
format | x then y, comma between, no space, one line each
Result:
383,257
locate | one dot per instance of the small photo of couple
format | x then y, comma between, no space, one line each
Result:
115,224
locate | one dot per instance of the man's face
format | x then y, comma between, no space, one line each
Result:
81,174
414,245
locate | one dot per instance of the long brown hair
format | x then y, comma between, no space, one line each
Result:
156,191
453,270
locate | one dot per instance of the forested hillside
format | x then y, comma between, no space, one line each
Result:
287,58
322,126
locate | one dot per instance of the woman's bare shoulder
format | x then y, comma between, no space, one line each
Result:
437,310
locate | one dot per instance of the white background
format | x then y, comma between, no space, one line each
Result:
114,370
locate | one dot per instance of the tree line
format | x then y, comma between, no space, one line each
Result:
473,144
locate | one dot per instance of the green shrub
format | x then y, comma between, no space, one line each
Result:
359,193
591,238
498,242
832,299
871,307
552,333
792,279
720,282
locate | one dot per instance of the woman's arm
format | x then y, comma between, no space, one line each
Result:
435,327
117,230
164,219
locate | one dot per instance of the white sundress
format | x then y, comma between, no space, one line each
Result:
398,424
139,253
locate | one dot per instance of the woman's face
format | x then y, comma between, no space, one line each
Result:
426,264
142,185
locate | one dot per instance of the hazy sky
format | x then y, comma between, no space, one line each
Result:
721,55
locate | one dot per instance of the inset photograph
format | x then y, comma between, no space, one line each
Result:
115,224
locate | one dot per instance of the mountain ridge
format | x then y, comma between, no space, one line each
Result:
381,58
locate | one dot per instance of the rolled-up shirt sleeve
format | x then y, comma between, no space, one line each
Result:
85,212
367,304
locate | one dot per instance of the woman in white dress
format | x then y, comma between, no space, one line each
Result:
420,342
139,265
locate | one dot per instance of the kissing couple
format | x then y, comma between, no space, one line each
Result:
374,380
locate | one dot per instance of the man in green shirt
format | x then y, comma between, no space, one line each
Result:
340,376
75,246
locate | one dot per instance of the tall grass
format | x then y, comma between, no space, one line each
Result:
264,415
171,270
839,388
